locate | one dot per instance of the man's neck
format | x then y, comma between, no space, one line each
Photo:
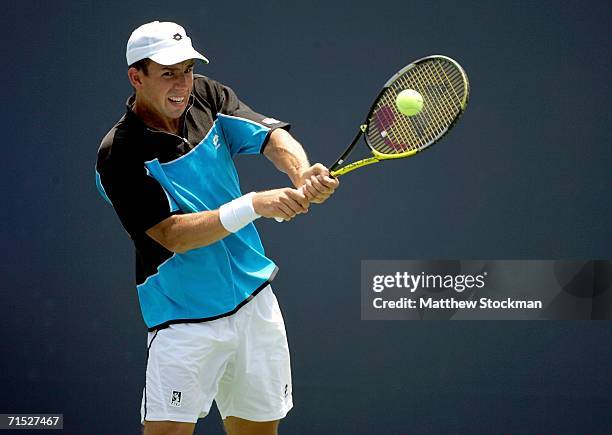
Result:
155,121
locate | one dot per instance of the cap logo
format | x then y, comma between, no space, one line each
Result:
177,37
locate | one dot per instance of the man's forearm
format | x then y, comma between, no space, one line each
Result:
287,154
180,233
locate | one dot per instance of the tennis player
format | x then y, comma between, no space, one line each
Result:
203,280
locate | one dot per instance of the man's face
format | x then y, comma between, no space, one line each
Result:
165,90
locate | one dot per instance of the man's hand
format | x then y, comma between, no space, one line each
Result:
317,184
283,203
289,157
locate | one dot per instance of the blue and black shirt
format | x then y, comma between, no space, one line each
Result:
148,175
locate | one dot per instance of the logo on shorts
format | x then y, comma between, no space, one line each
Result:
176,398
286,392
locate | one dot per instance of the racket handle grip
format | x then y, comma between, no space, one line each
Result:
277,219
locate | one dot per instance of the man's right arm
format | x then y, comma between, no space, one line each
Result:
180,233
183,232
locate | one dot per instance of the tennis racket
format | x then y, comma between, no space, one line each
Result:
389,134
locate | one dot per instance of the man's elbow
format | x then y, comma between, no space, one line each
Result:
176,247
168,234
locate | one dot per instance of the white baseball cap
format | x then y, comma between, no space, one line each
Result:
163,42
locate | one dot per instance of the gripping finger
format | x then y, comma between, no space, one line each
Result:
299,198
329,182
309,190
287,211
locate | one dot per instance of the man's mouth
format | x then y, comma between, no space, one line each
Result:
177,100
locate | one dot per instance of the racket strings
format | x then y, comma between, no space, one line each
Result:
453,105
444,89
430,122
454,79
439,113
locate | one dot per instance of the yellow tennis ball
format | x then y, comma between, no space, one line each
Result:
409,102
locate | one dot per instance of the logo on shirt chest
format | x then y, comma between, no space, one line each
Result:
215,141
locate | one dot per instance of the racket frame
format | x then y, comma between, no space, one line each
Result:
336,170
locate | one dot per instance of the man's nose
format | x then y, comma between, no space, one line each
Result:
181,81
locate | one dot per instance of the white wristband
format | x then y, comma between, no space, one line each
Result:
237,213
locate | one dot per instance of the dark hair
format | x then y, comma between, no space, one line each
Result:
142,65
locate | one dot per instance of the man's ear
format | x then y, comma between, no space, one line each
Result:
134,77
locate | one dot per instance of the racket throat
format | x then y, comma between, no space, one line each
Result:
342,158
353,166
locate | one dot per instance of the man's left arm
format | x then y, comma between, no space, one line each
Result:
288,155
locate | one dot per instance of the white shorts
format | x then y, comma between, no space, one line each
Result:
241,361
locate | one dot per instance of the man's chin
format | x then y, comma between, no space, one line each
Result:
174,113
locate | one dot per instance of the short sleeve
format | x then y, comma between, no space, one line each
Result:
244,137
138,199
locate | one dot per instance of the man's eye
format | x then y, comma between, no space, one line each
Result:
188,70
167,74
